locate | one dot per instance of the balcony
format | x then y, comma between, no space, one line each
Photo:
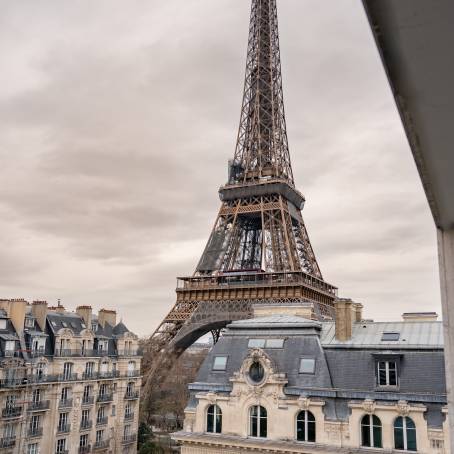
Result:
66,353
86,425
100,444
128,439
67,377
111,374
131,395
7,442
89,375
129,416
131,352
105,398
42,405
133,373
62,451
88,400
101,421
12,412
64,428
65,403
84,449
35,432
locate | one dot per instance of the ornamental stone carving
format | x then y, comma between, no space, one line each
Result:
402,407
369,406
304,403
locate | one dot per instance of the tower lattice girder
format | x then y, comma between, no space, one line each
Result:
259,250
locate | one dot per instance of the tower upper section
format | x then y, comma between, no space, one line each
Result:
262,146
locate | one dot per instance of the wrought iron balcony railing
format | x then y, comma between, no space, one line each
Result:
35,432
12,412
39,406
101,444
64,428
131,395
65,403
101,421
86,425
88,400
129,438
129,416
7,442
84,449
105,398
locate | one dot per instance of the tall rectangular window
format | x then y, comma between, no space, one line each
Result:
61,446
99,436
33,448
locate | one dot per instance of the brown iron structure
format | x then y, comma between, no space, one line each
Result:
259,250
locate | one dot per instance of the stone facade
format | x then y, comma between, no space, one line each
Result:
338,412
69,381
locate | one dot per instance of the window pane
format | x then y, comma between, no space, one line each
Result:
390,337
220,363
365,433
377,437
311,431
256,343
263,427
411,439
274,343
410,424
218,422
254,426
210,418
307,366
398,438
392,377
300,429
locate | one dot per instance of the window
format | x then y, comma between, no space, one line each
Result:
64,324
9,431
34,423
114,410
131,368
405,434
256,372
36,396
99,436
67,371
387,373
61,446
103,390
85,419
10,346
89,368
64,395
371,432
390,337
87,394
274,343
100,417
40,370
258,422
33,448
305,426
214,419
2,323
220,363
256,343
83,441
29,322
62,422
307,366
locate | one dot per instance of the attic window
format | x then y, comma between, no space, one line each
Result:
73,325
220,363
274,343
29,322
54,323
307,366
94,326
83,325
390,337
65,325
256,343
2,323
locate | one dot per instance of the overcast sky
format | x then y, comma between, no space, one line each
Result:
117,119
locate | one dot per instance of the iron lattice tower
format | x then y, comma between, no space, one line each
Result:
259,249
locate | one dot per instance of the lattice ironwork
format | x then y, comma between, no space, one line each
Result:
259,250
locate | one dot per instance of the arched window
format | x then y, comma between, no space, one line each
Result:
371,432
214,419
305,426
404,434
258,422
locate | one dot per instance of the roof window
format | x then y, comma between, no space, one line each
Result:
65,325
220,363
390,337
307,366
266,343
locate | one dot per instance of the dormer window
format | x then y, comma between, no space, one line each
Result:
390,337
29,323
2,323
266,343
94,327
307,366
220,363
387,373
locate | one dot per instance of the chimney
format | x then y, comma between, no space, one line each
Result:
85,312
17,314
345,315
420,317
106,315
358,312
39,311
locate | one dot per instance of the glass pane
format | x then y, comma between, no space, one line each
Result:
263,427
256,372
365,435
263,412
218,423
377,437
300,434
220,363
399,422
411,439
398,438
307,366
311,431
310,416
410,423
254,426
254,411
382,377
274,343
392,377
256,343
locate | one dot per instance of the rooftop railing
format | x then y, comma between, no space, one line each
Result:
262,279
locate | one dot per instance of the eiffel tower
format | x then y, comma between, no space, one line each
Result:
259,250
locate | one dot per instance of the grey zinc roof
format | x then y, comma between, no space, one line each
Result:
421,335
120,328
